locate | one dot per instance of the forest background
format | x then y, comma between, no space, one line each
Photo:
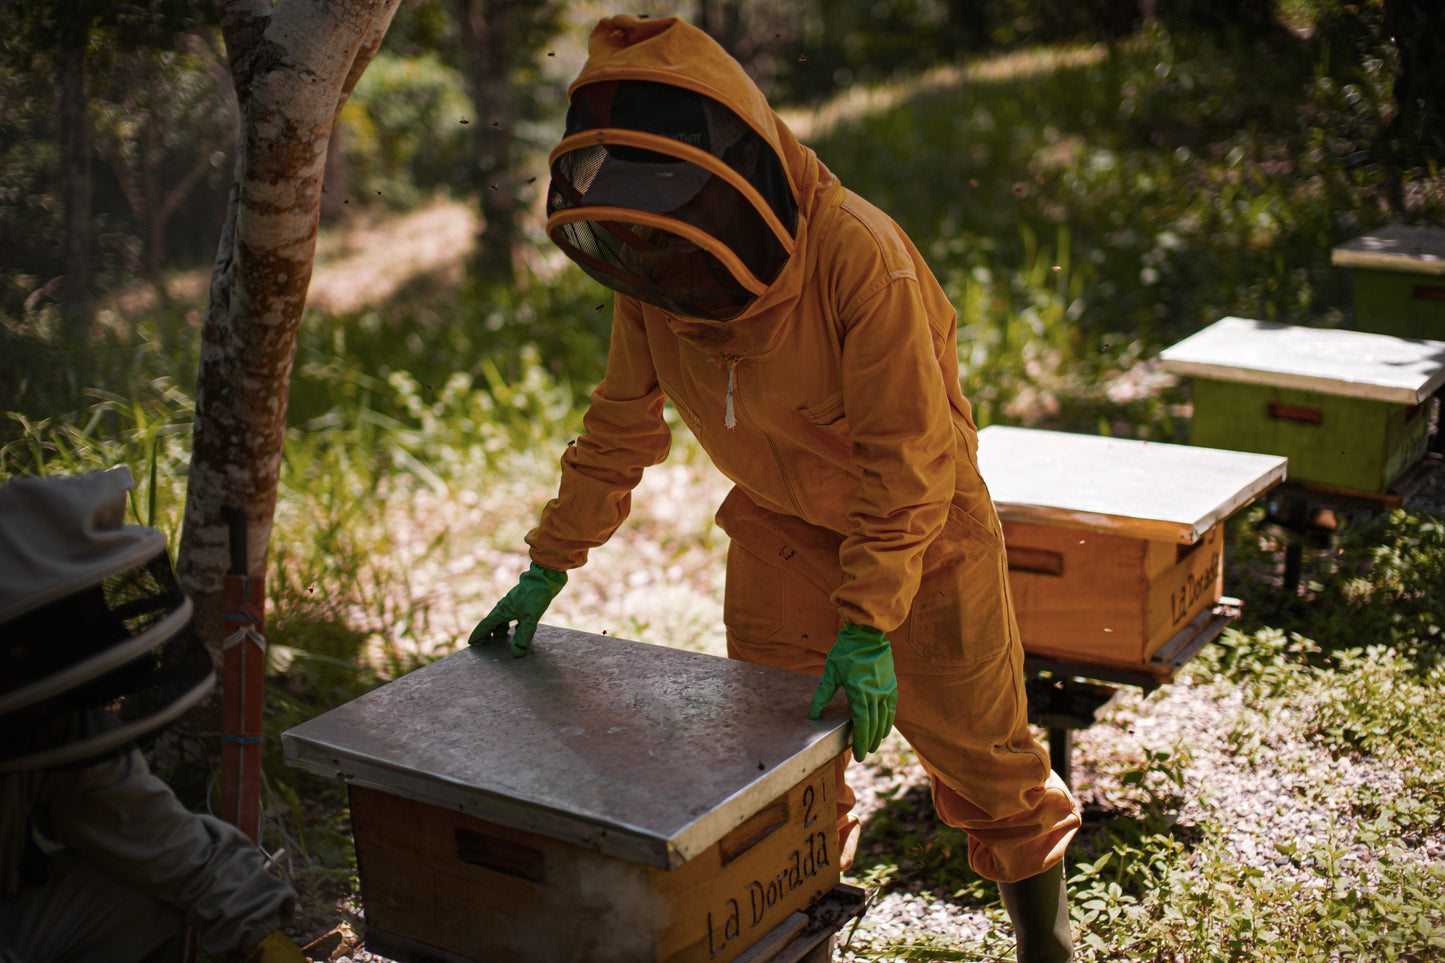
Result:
1091,181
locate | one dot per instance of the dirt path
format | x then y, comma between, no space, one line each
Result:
369,262
364,262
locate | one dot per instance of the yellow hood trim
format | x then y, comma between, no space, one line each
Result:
628,215
670,51
694,155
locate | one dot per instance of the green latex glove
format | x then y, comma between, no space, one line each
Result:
861,661
524,605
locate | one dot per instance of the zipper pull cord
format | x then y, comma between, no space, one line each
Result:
730,417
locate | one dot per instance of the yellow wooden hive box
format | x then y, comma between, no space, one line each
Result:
1115,546
599,801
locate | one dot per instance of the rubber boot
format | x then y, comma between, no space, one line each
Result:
1039,909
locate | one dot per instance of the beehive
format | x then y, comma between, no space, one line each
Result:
599,801
1349,409
1114,546
1398,279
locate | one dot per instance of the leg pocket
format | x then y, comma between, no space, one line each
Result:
781,575
752,596
962,613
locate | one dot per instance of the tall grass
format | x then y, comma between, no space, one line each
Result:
147,432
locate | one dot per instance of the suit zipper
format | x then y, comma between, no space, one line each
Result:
730,417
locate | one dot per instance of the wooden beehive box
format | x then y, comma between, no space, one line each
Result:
600,801
1350,409
1114,546
1398,276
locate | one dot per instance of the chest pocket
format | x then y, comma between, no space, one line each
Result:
827,416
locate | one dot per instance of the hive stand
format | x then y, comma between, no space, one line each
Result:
600,801
1116,560
1352,411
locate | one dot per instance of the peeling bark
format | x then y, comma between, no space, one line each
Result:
293,66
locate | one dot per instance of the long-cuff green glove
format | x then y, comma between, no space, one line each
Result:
524,605
861,661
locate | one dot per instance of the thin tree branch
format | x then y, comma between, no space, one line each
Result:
175,195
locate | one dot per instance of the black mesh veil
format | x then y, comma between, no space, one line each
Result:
661,223
84,676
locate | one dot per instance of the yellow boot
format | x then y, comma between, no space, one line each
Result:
276,947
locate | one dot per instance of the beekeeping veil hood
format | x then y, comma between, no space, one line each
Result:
95,642
669,184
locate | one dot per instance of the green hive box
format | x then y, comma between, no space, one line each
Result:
1399,280
1352,443
1349,409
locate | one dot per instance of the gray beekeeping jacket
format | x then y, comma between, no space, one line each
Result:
120,818
99,861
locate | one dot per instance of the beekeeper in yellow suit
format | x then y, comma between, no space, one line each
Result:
803,340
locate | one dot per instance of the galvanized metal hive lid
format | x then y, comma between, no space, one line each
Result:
643,752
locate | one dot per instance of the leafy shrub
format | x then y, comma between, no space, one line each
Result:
1227,913
406,128
1201,905
1382,582
1377,703
1267,663
1024,359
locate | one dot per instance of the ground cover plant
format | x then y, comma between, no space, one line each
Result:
1084,207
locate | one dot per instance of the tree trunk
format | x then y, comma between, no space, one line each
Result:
153,195
150,214
1416,27
77,304
293,67
487,29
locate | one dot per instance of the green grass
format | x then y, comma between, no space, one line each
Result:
1146,885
